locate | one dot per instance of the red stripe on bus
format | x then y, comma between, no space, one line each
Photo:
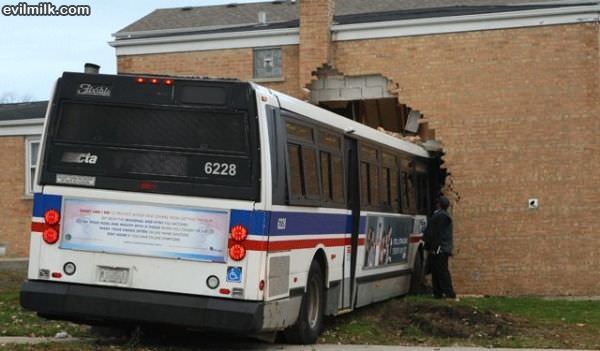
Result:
37,227
256,245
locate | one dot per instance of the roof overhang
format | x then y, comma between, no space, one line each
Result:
467,23
32,126
183,40
210,41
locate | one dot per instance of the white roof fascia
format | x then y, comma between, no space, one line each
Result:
186,30
212,41
357,31
32,126
466,23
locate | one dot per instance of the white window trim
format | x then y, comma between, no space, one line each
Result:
268,78
29,186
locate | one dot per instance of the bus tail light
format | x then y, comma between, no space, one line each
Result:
140,80
239,233
237,252
51,221
52,217
50,235
168,82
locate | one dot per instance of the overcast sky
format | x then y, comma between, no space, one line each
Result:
34,51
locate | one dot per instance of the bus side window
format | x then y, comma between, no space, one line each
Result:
369,177
295,173
309,173
337,179
303,174
422,187
389,182
332,167
407,189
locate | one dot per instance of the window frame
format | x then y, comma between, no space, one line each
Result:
31,164
313,145
255,76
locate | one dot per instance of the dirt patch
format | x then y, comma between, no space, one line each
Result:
402,321
447,321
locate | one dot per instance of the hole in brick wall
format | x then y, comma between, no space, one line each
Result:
367,99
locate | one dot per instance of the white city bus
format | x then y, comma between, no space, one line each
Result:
220,205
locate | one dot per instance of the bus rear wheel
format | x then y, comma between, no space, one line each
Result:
308,327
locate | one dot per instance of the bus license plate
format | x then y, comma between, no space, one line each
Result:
113,275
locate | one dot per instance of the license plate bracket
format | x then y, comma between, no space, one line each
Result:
113,275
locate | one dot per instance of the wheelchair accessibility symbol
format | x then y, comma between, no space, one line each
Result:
234,274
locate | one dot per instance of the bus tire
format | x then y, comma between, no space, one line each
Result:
417,278
308,327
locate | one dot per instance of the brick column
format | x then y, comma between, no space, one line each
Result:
315,37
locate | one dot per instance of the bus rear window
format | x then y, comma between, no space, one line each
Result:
153,127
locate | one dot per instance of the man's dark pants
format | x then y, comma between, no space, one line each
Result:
440,276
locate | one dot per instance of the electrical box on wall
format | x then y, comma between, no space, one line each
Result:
534,203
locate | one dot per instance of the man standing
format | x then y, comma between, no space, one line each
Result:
438,242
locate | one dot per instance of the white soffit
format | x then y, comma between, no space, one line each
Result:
372,30
203,42
32,126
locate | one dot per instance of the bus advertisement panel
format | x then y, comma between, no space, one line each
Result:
183,233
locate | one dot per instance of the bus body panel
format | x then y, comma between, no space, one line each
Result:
283,240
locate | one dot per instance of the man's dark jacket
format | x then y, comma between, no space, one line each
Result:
439,233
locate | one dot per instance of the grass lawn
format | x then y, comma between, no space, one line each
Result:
14,321
488,322
414,320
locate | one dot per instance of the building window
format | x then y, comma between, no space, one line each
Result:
32,148
267,63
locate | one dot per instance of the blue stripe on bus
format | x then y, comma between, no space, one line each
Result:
295,223
255,221
43,203
302,223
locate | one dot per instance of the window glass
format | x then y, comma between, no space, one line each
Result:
299,131
388,159
330,140
394,198
295,171
337,176
385,187
364,183
311,178
374,185
368,153
404,198
326,176
267,63
32,149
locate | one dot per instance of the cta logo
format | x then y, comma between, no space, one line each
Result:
75,157
93,90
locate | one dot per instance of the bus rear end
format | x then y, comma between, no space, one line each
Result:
147,189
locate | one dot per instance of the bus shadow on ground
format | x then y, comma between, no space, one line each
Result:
177,339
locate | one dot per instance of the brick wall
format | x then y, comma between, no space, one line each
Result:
315,36
517,111
16,209
233,63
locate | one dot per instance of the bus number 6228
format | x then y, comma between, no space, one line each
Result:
223,169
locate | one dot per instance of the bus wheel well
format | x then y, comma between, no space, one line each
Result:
322,261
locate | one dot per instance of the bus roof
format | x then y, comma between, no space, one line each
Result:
345,125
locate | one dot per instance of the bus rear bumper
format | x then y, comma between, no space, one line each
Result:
99,305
